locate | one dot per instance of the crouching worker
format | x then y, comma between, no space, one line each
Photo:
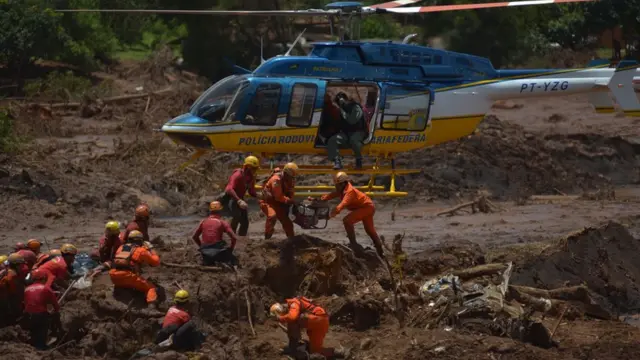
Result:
12,289
362,209
38,298
212,247
301,313
178,326
125,270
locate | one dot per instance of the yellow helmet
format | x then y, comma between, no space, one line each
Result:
252,161
215,206
15,259
113,227
3,258
277,309
181,296
340,177
291,169
136,235
68,249
55,252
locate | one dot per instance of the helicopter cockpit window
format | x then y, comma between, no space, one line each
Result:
303,98
263,110
214,103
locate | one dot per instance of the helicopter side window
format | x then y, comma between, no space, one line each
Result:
406,109
303,98
263,110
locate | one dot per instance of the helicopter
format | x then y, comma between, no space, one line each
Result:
416,96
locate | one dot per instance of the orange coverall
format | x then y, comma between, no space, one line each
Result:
125,272
362,209
278,194
303,314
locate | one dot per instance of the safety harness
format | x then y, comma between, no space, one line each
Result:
122,260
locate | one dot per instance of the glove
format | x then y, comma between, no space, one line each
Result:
333,213
147,245
242,204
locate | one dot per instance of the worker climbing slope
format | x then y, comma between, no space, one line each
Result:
361,207
277,197
301,313
126,266
241,181
212,246
139,223
178,326
38,297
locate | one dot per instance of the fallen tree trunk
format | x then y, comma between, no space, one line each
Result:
109,100
194,267
546,301
575,293
480,270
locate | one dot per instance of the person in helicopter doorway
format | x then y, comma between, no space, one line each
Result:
352,131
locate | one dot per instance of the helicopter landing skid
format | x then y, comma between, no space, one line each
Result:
370,189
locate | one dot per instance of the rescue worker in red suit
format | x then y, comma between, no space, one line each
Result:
301,313
277,197
361,207
212,247
241,181
38,298
178,326
109,242
12,289
28,256
125,268
140,223
58,267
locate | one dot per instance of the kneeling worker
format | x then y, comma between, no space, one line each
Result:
212,247
125,269
301,313
362,209
177,325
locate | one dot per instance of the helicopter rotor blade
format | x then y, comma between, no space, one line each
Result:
310,12
294,43
441,8
393,4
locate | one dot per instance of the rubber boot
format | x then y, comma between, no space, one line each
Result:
337,163
353,244
358,164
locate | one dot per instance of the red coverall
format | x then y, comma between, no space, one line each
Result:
37,298
125,272
136,224
56,267
278,194
240,182
303,314
109,244
212,229
175,316
11,293
362,209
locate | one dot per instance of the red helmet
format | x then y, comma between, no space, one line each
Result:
20,246
142,211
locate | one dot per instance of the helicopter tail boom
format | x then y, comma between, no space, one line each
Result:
624,90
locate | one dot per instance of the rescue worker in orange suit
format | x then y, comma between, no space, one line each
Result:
277,197
12,289
361,207
178,326
38,297
301,313
140,223
125,269
60,267
212,247
241,181
35,246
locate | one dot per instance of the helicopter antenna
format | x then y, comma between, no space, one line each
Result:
262,60
294,43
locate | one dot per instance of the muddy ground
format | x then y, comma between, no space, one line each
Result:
80,166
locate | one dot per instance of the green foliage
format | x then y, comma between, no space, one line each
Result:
27,31
8,140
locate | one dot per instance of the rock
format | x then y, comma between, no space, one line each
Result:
366,344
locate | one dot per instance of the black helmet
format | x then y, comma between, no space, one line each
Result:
341,95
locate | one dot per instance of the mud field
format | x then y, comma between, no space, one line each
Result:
545,268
